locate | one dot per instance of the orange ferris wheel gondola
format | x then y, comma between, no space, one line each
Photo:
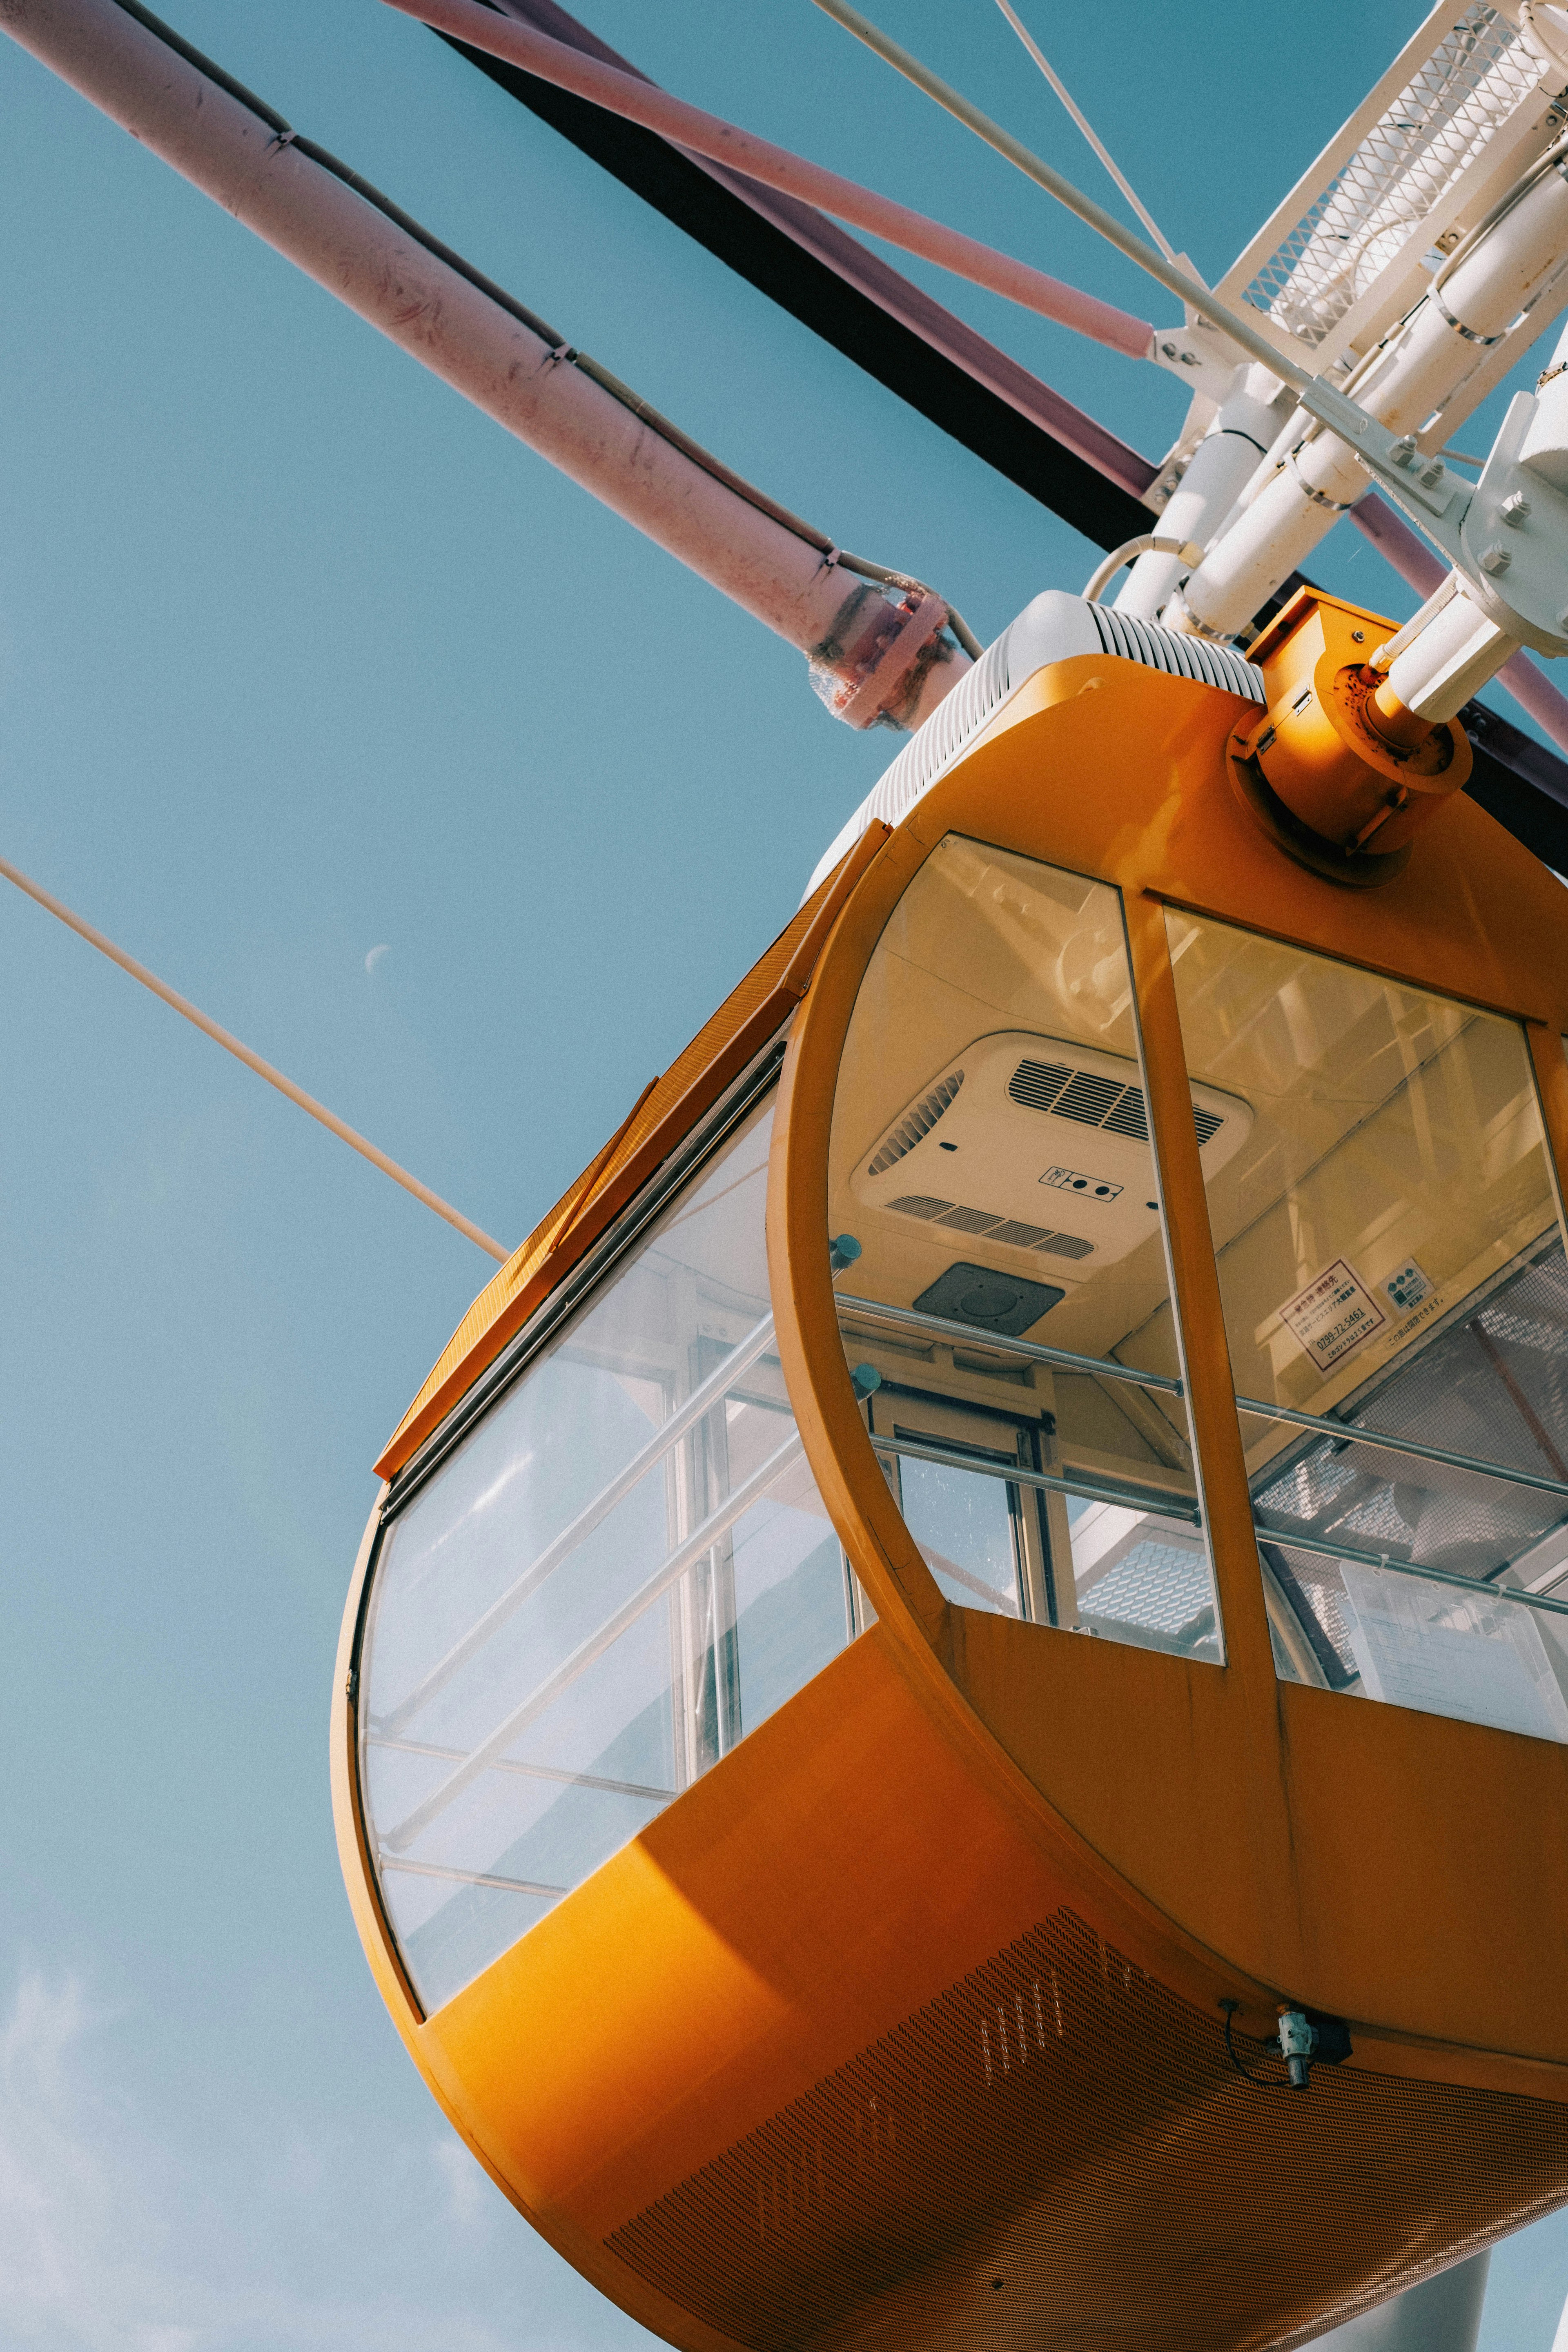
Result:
995,1572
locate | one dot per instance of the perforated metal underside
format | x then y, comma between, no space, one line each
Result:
1056,2152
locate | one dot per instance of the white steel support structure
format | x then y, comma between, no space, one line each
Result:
1220,468
1517,267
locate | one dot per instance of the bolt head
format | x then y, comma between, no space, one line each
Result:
1496,560
1515,509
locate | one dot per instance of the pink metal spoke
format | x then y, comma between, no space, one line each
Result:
636,100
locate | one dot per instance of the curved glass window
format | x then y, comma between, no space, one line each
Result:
623,1569
1396,1297
990,1157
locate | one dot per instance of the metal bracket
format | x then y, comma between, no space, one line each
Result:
1201,353
1467,523
1515,537
1206,359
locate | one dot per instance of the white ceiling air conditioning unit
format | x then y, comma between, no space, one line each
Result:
1031,1155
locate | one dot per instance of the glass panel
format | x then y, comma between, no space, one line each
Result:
963,1524
621,1571
1006,1298
1396,1306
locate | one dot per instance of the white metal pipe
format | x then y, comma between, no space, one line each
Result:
1515,266
875,652
1217,472
1442,2316
1458,651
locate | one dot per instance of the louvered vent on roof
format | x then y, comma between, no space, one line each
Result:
1129,1118
1094,1102
1038,1084
1177,655
1087,1098
918,1120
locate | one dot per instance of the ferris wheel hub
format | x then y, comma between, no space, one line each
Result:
1338,770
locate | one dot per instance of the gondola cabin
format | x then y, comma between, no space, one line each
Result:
952,1723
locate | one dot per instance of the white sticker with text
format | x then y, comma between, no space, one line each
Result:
1334,1313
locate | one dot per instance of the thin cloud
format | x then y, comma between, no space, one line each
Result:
114,2240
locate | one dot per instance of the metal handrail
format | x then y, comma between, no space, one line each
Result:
1128,1497
468,1877
1411,1567
701,1401
941,1327
528,1771
685,1555
1401,1445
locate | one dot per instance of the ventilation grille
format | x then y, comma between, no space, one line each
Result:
1056,2150
997,1229
981,692
1473,81
1094,1102
1178,657
934,746
1038,1083
916,1122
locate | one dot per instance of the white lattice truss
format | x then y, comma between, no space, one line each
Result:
1463,110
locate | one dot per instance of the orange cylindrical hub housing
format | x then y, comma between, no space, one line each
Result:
1357,771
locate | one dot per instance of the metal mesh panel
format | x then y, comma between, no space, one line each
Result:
1055,2151
1160,1585
1495,1387
1476,77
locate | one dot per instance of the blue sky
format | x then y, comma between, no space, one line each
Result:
301,657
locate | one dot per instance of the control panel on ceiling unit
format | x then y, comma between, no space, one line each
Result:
1038,1146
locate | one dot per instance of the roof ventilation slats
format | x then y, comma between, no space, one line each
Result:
958,716
1129,1117
918,1120
997,1229
1036,1085
1177,655
1094,1102
1089,1099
